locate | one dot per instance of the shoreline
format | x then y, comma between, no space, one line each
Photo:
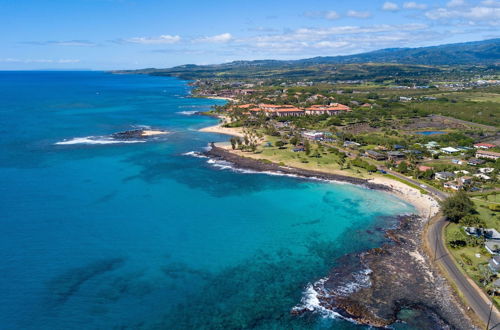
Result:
400,262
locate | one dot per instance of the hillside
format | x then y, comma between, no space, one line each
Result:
410,62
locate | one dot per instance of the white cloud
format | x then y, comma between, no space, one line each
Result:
358,14
163,39
488,15
329,15
219,38
390,6
455,3
491,3
331,44
42,60
414,5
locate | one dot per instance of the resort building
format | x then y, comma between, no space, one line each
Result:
487,154
484,146
332,109
271,110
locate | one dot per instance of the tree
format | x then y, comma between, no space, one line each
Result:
233,142
402,167
471,220
279,143
307,147
457,206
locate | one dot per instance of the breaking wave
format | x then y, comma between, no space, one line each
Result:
187,113
195,154
96,140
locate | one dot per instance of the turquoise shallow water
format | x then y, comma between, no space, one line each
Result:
101,236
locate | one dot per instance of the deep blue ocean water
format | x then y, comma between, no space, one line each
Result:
103,236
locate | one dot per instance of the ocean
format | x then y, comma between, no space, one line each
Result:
149,235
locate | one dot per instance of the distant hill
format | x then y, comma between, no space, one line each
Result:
394,61
476,52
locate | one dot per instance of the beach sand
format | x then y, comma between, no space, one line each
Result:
426,205
234,131
152,133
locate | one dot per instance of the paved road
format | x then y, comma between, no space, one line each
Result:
474,297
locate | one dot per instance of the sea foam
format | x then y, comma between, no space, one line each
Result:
95,140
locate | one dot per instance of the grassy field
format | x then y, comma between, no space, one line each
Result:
327,161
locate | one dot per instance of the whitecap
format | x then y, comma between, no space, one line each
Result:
194,154
187,113
95,140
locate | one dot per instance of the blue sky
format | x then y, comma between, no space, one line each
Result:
126,34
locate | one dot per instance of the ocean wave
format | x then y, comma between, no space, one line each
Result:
194,154
225,165
311,300
96,140
187,113
361,279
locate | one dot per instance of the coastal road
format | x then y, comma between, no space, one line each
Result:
473,295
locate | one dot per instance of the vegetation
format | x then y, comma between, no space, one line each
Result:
457,206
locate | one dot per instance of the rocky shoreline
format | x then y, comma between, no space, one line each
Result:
400,278
389,281
258,165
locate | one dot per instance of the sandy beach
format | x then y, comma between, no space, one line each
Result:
234,131
425,204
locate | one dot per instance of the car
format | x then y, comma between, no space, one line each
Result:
382,171
423,186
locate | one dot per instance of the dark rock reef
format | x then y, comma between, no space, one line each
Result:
398,278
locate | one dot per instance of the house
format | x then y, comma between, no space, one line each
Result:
454,185
494,263
486,170
492,234
298,149
351,144
461,171
487,154
475,161
484,146
423,168
432,145
376,155
395,155
493,247
482,176
443,175
457,161
465,180
449,150
398,147
313,135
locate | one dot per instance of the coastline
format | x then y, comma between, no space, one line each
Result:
405,248
399,263
424,204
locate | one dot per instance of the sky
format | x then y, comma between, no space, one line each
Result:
131,34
